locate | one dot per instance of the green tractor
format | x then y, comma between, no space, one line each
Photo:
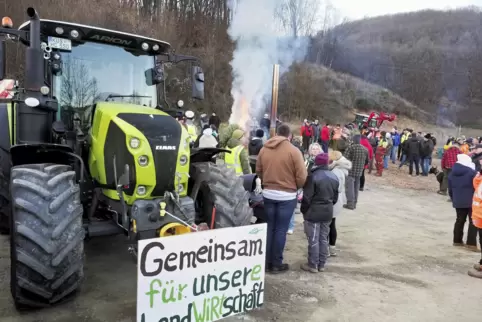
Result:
89,147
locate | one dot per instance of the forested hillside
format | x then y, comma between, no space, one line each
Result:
431,58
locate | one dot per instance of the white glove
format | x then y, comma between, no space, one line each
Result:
258,188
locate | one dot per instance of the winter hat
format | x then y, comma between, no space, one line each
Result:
388,135
465,160
208,131
322,159
259,133
237,134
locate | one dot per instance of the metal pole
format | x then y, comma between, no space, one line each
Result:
274,100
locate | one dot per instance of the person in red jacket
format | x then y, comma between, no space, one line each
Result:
449,158
325,137
306,134
366,143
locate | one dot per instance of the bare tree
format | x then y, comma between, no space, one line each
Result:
298,17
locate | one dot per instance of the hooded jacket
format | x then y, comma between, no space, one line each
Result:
461,188
255,146
340,169
243,156
280,165
320,193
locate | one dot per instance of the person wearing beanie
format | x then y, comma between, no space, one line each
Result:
207,139
320,193
358,155
254,147
238,159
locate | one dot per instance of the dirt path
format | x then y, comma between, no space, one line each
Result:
395,263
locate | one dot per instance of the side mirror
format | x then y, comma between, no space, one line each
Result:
124,178
155,75
3,59
197,83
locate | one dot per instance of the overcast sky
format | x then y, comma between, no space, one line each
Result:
355,9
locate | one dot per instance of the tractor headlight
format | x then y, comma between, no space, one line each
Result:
134,143
180,188
143,160
141,190
183,159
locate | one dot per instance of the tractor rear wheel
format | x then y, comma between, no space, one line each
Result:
220,187
4,192
46,240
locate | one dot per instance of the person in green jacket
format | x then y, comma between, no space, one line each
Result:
231,138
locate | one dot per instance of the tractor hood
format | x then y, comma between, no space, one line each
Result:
152,143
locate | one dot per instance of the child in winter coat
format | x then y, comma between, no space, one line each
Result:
339,166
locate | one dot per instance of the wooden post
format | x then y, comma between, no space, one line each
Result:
274,100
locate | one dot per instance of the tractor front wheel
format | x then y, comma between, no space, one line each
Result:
46,239
222,189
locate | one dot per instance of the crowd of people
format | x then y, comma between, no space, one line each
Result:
325,170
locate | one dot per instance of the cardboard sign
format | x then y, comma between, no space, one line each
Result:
201,277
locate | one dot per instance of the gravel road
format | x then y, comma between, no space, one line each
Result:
396,263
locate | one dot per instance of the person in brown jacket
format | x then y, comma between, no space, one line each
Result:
282,170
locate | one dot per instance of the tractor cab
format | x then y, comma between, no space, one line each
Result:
362,120
89,64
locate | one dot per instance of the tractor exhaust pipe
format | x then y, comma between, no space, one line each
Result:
34,67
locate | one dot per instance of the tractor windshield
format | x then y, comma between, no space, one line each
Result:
94,72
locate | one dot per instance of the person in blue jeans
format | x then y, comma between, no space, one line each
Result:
426,154
396,144
282,170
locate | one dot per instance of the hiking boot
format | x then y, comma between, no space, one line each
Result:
306,267
472,248
290,232
348,207
280,269
459,244
333,251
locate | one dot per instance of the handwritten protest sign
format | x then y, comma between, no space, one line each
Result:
201,277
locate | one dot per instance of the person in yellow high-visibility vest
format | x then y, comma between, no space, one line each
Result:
238,158
191,128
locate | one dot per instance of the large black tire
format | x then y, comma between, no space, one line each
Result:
223,189
4,192
46,240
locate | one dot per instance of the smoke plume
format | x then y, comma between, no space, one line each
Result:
259,44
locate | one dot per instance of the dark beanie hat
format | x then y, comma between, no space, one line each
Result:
322,159
259,133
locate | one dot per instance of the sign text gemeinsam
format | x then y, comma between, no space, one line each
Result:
201,277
